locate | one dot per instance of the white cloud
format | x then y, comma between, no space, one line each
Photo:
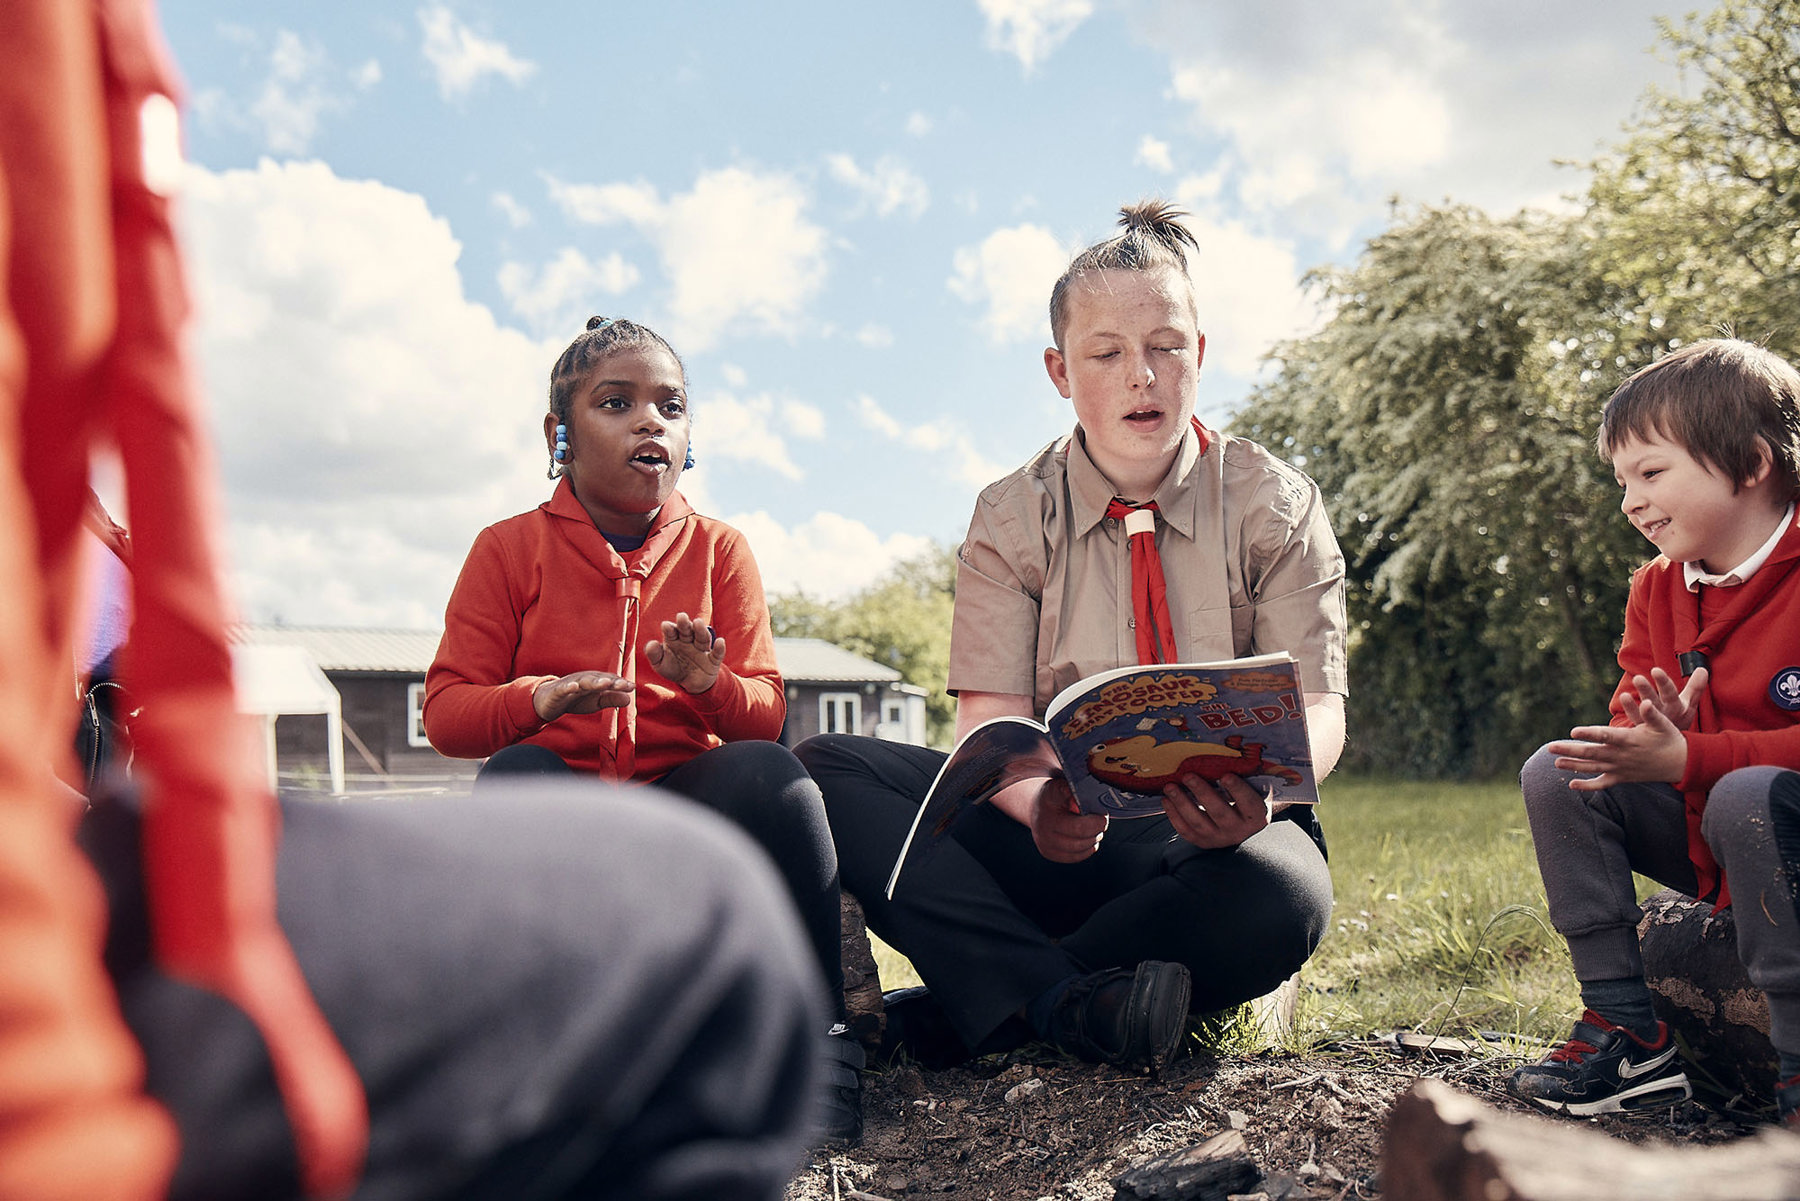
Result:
875,337
829,555
1247,288
461,58
516,214
1011,273
293,97
560,295
370,417
734,375
806,421
954,449
890,187
752,430
1327,111
1154,154
918,124
739,252
367,75
1030,30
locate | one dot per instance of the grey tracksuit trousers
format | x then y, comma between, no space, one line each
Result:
1589,843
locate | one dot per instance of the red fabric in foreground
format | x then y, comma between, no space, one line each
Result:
96,287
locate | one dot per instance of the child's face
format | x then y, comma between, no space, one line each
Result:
1131,363
628,436
1689,510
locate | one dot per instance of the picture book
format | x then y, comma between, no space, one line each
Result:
1120,736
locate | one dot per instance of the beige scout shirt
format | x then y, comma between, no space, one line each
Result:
1043,581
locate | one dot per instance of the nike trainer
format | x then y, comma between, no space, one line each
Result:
1604,1068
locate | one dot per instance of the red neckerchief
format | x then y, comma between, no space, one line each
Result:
627,571
1149,590
1746,598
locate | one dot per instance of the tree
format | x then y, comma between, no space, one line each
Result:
901,621
1447,410
1699,208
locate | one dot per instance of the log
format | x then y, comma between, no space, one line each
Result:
1699,987
1208,1171
1442,1145
862,983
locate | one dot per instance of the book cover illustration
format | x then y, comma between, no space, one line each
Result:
1120,736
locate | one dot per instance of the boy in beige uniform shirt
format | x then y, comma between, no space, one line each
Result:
1033,920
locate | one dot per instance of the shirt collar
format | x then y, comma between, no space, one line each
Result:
1090,492
1695,575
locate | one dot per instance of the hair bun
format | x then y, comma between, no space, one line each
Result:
1158,219
597,322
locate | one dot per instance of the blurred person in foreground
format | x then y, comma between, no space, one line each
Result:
439,1001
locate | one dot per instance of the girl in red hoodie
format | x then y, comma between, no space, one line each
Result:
613,631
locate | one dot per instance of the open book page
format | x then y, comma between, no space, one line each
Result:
994,754
1122,735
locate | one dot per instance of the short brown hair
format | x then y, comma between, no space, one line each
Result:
1719,399
1154,238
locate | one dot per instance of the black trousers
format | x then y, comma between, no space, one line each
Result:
989,923
548,992
762,789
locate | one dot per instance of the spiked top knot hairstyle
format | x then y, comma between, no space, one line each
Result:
602,337
1154,238
1720,399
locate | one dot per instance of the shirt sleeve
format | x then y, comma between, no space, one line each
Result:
473,706
1297,584
747,701
994,626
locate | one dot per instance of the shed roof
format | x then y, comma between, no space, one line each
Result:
350,648
815,661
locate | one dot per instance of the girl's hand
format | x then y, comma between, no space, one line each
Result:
689,655
1215,816
582,692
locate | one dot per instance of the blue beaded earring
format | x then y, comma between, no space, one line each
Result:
689,464
560,454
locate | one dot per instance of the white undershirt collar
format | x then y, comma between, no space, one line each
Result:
1695,575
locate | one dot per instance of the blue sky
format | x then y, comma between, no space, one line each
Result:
845,217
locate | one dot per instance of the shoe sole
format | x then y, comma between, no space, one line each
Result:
1159,999
1652,1094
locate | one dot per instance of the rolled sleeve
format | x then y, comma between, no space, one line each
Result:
1299,594
994,630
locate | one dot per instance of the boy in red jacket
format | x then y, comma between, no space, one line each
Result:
1694,783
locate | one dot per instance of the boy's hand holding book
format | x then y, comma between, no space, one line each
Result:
1062,832
1216,816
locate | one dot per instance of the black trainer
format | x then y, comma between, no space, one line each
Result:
838,1113
1604,1068
1133,1017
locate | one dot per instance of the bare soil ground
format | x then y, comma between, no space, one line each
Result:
1031,1126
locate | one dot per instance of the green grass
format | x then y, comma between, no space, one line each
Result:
1439,925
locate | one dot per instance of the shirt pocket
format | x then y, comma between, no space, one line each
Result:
1215,633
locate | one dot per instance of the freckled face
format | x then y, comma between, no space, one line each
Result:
628,436
1689,510
1131,364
